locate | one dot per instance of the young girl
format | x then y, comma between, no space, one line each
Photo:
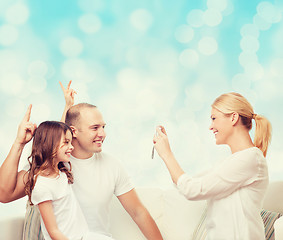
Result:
234,189
49,184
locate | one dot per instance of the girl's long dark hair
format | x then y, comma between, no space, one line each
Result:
45,144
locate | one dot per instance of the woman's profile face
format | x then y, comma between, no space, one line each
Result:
221,126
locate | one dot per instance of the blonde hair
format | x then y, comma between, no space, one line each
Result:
234,102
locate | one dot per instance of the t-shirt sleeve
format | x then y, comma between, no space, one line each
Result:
40,193
123,181
221,181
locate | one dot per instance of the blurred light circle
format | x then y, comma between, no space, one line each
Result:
15,107
212,17
71,47
219,5
269,12
241,83
141,19
229,9
207,46
40,112
128,79
276,67
8,35
17,14
91,5
37,84
249,44
89,23
184,34
249,30
37,68
254,71
261,23
246,57
195,18
73,68
189,58
12,83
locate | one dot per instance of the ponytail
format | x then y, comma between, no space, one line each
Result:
234,102
262,133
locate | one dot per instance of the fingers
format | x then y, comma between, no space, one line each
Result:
69,84
161,131
27,115
33,128
62,87
73,92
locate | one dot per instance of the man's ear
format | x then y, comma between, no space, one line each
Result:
74,130
235,118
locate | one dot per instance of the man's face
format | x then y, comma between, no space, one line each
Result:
89,133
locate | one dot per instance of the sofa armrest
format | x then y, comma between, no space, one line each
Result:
12,228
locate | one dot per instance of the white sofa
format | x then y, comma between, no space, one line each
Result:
176,217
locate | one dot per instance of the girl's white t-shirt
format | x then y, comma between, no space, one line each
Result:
69,217
234,190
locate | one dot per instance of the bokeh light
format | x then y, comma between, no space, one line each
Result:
141,19
17,14
208,46
8,35
143,64
89,23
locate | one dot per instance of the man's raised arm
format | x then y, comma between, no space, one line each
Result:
12,181
69,95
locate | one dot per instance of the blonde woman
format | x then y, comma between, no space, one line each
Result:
235,188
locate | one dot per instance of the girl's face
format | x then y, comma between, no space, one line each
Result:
65,148
221,125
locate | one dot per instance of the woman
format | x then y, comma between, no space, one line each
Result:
235,188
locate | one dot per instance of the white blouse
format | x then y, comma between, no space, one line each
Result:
234,190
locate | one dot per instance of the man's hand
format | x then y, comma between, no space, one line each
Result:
69,94
26,129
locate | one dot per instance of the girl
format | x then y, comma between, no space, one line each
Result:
234,189
49,184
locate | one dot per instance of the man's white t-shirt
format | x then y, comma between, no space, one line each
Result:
235,191
95,181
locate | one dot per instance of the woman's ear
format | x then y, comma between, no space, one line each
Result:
235,118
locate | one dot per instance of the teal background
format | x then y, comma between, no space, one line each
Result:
143,63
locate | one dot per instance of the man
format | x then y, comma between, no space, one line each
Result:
97,176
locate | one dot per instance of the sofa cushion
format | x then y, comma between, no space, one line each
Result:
121,222
181,215
200,230
32,228
268,218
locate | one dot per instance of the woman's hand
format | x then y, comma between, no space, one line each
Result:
26,129
162,146
69,94
161,143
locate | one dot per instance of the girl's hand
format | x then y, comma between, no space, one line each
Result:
69,94
26,129
161,143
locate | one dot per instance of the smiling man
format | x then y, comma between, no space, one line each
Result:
97,175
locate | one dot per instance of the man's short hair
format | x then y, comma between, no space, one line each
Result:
73,114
